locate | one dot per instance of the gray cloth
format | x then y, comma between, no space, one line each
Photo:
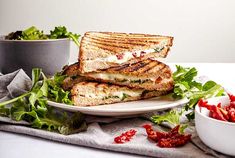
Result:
101,130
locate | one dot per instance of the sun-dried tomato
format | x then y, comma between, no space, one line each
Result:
225,113
134,54
142,53
218,114
232,104
151,133
119,56
232,97
125,137
231,114
174,141
215,110
167,139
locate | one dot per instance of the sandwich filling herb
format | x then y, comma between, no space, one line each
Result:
158,49
109,97
140,81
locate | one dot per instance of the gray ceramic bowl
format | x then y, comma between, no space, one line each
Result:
50,55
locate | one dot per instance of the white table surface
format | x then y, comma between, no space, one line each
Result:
16,145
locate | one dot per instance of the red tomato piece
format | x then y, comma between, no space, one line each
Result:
125,137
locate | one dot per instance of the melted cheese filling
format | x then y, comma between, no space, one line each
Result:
118,94
119,77
129,55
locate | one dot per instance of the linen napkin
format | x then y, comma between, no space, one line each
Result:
101,130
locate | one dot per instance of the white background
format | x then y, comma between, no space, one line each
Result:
204,30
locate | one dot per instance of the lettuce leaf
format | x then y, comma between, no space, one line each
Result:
187,86
32,106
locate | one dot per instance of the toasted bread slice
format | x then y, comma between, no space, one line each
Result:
147,74
102,50
73,76
93,93
71,70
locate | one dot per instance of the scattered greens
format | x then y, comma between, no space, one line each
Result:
158,49
33,33
187,86
55,92
173,117
32,106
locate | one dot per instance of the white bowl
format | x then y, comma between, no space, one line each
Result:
218,135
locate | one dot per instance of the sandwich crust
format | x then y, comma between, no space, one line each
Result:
93,93
101,50
147,74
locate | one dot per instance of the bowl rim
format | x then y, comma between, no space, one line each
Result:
45,40
212,119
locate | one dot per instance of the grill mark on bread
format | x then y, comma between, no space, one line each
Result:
160,68
120,67
114,46
103,44
104,47
80,98
150,67
71,70
117,41
131,41
98,43
138,66
118,34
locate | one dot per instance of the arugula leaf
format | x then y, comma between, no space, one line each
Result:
36,73
4,111
34,97
61,32
55,92
21,111
32,33
32,106
182,128
173,117
187,86
14,99
208,85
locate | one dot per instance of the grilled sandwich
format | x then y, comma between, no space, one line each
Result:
147,74
93,93
73,76
102,50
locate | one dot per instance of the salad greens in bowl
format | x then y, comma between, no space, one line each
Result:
32,48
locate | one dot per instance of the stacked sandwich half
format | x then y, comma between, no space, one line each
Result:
119,67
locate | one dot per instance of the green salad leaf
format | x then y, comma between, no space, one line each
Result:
55,92
61,32
32,106
33,33
187,86
173,117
